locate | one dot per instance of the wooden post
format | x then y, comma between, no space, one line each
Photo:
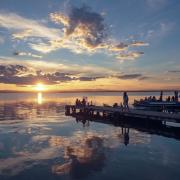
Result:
74,110
68,111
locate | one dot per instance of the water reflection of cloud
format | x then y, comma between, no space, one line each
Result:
83,158
25,160
86,151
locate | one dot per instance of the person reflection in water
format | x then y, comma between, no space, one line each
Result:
125,132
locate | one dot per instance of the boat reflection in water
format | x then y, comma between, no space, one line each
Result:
37,141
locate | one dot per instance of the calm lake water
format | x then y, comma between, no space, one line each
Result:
37,141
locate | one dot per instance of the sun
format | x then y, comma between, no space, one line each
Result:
40,87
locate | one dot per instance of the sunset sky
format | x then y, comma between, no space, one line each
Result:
89,44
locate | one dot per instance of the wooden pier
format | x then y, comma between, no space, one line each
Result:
120,113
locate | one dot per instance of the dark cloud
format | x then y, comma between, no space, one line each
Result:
144,77
12,70
21,75
139,43
31,79
174,71
130,76
89,78
90,22
83,24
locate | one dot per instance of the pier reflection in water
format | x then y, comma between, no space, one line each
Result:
37,141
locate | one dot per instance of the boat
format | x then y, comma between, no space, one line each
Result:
171,103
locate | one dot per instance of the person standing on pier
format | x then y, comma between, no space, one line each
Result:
125,100
161,96
176,96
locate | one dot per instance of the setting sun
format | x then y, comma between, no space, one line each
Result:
40,87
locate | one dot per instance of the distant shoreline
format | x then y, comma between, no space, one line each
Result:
88,91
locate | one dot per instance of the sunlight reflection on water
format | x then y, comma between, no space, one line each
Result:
39,98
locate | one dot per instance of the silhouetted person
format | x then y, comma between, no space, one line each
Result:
125,100
77,102
161,96
149,98
154,98
115,105
84,102
176,96
91,103
173,99
168,99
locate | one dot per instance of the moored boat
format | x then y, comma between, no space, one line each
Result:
160,104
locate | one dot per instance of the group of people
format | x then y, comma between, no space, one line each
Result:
152,99
125,104
83,102
160,99
173,98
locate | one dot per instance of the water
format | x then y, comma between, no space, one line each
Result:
37,141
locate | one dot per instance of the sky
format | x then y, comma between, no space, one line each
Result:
72,45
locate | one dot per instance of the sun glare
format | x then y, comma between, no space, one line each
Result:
40,87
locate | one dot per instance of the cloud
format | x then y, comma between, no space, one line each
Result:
22,34
144,78
23,27
129,76
28,73
55,73
129,55
29,79
21,75
17,53
84,24
12,70
174,71
81,30
44,47
51,67
90,78
119,47
86,31
137,76
139,43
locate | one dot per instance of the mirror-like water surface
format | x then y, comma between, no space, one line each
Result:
37,141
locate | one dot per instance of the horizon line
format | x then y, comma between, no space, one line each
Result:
88,90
